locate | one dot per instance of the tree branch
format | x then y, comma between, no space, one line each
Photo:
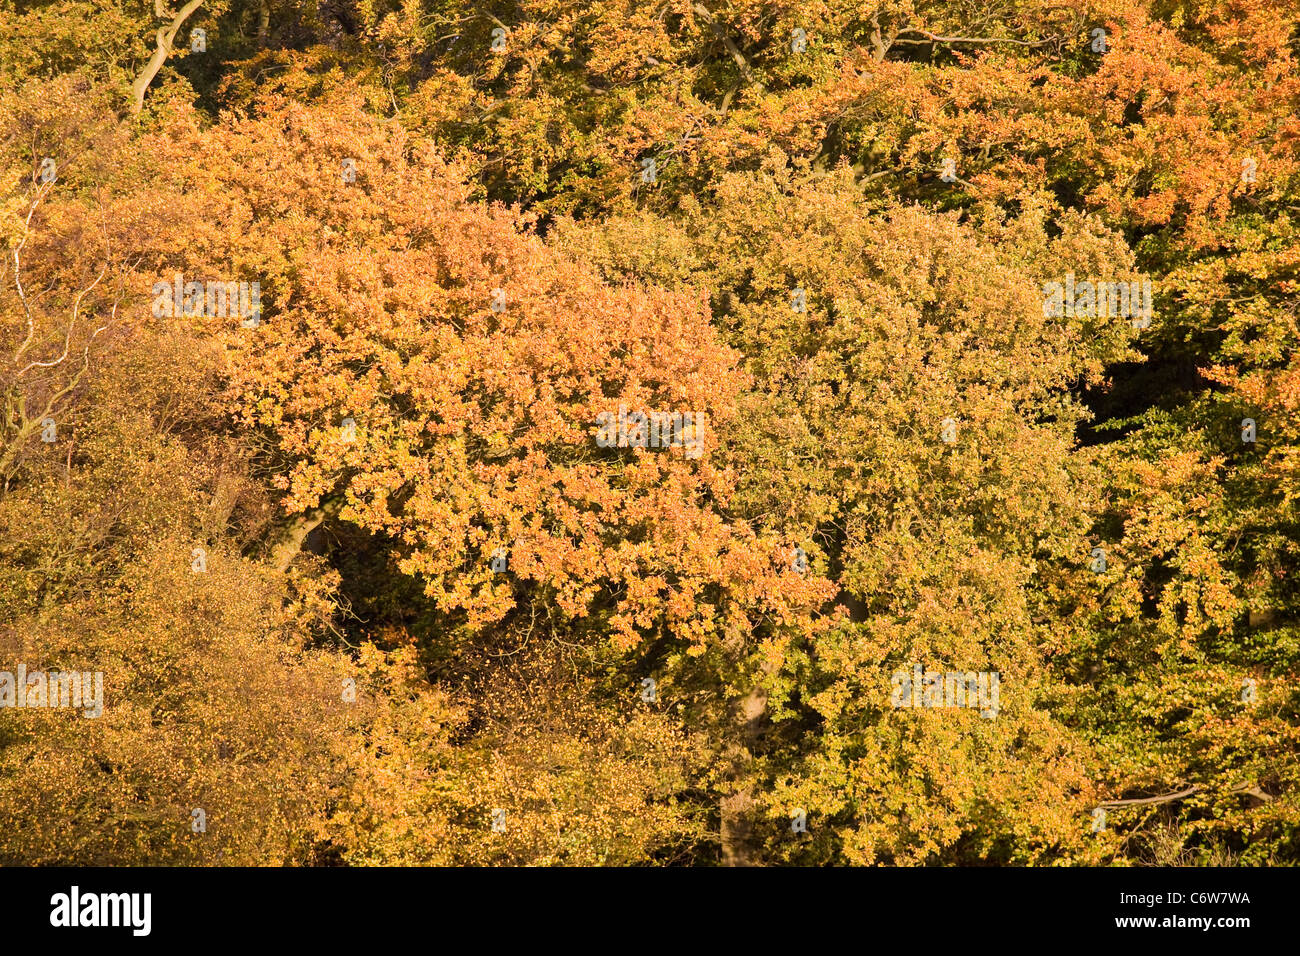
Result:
1249,788
165,39
18,283
704,13
67,339
295,534
1165,798
932,38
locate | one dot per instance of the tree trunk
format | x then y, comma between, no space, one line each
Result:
166,37
295,534
737,830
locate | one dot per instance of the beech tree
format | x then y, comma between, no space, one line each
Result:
358,300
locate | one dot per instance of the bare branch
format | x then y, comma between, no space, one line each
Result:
1165,798
1249,788
22,296
76,309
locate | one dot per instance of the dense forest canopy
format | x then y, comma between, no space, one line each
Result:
679,432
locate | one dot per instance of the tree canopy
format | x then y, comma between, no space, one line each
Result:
602,434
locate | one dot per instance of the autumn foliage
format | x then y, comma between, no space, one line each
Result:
369,575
